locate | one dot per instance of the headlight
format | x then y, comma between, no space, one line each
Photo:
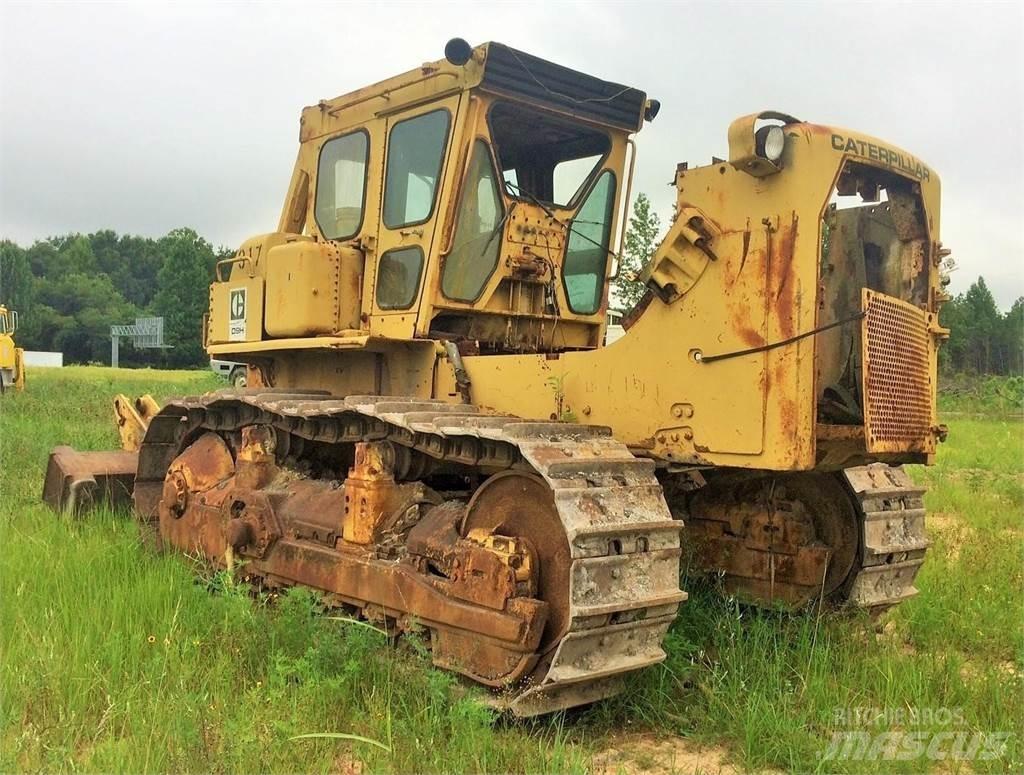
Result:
769,142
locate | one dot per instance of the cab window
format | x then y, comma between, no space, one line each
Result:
475,245
586,254
543,156
341,185
398,277
415,152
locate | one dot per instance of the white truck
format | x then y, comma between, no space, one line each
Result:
232,371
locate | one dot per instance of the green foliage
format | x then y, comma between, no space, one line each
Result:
980,394
641,241
188,259
982,339
116,660
69,290
15,276
73,313
557,387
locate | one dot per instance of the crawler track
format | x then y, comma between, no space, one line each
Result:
893,540
856,536
623,543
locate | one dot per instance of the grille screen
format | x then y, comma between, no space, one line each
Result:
897,379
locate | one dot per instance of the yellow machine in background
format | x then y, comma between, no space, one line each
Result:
12,359
436,436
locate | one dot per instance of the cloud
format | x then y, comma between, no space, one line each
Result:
146,117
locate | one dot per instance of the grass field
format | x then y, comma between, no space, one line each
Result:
118,659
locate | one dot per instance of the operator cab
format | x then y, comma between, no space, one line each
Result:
474,200
8,321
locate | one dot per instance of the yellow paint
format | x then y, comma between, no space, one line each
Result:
12,358
738,270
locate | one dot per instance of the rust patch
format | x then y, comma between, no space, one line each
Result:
777,538
782,264
638,310
746,247
77,481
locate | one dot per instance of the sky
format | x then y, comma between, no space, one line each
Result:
145,117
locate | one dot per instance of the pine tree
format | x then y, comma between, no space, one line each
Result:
1012,337
641,241
982,323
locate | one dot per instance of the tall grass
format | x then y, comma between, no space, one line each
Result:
115,658
776,686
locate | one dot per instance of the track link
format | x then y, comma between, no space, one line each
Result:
624,581
893,539
856,536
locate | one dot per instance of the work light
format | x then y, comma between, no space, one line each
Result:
770,140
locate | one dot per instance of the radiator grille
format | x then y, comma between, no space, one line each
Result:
897,379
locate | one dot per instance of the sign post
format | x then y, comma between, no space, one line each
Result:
146,333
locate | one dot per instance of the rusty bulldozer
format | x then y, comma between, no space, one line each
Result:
434,434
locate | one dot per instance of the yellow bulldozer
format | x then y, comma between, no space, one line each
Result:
12,358
435,436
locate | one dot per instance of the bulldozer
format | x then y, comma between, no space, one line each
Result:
436,437
12,358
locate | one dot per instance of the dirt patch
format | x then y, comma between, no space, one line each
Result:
661,754
948,533
346,765
1007,669
942,522
888,633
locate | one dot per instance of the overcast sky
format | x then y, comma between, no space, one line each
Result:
145,117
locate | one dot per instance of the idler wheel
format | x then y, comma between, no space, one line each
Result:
521,505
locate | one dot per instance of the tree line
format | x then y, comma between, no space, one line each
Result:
69,290
982,339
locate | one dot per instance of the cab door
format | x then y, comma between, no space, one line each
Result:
419,155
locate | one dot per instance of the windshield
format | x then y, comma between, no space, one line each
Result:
545,157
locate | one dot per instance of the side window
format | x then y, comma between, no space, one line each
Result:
572,175
586,254
341,185
398,277
475,246
415,152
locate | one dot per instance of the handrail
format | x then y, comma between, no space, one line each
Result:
232,260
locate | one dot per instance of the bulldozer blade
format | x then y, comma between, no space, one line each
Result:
77,482
133,418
